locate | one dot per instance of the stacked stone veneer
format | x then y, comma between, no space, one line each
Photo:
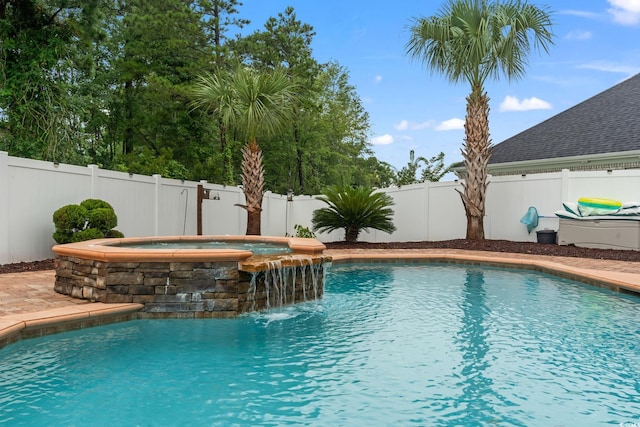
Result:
188,289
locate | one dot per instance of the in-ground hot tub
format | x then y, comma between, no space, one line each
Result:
193,276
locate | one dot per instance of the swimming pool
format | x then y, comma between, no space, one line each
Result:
389,344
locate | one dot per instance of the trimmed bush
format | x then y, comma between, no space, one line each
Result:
112,234
104,219
91,219
87,234
70,218
91,204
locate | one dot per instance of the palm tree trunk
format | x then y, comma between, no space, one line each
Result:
253,185
476,152
254,219
351,234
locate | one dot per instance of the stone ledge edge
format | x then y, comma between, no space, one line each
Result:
14,326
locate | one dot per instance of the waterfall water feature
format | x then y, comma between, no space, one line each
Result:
281,282
194,276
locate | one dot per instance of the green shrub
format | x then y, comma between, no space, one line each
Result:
91,204
104,219
354,209
70,218
91,219
113,234
62,236
87,234
304,231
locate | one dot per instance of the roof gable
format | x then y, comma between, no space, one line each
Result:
608,122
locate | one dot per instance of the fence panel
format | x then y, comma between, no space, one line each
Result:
509,198
623,185
446,217
31,190
36,190
220,215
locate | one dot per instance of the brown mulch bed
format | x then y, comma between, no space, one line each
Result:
483,245
500,246
20,267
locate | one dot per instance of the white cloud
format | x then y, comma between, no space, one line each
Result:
407,125
580,13
511,103
378,78
611,68
625,12
385,139
451,124
578,35
403,125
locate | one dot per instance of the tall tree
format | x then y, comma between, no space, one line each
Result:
219,17
335,131
161,45
474,40
286,42
258,103
43,68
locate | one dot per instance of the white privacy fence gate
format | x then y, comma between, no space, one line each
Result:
31,190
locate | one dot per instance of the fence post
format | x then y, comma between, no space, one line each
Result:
94,181
4,207
565,183
156,203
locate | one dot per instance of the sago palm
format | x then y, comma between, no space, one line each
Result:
472,41
258,103
354,209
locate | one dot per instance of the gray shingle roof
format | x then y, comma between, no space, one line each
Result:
606,123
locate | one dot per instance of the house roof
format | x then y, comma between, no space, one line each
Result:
608,122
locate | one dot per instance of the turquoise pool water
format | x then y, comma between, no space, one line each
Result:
424,345
258,248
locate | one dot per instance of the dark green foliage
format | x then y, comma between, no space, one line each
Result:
109,82
87,234
104,219
63,236
70,218
113,234
433,170
354,209
90,204
91,219
302,231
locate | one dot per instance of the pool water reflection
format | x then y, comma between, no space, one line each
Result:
389,344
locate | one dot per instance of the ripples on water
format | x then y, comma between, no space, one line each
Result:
388,344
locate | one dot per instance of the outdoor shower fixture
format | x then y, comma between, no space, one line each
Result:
203,194
286,212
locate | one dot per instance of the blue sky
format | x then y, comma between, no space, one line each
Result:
597,45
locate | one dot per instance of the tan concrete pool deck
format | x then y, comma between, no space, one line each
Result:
29,307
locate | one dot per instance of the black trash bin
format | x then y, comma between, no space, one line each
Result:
547,236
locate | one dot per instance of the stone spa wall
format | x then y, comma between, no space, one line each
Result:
193,289
191,282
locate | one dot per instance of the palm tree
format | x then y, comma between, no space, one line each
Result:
354,209
473,40
256,103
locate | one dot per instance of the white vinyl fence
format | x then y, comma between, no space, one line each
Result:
31,190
